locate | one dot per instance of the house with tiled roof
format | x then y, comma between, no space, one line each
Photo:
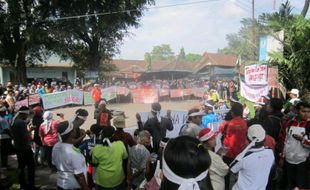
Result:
216,66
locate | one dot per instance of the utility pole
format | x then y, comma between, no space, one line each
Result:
253,29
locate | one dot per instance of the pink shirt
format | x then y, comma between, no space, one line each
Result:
50,138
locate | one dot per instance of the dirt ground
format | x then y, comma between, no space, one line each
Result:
130,110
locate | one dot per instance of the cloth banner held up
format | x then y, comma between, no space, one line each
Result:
253,93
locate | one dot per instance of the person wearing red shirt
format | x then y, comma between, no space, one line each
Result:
235,138
96,95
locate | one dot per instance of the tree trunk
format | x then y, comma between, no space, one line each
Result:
21,74
305,9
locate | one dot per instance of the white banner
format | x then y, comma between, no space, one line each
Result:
256,74
63,98
253,93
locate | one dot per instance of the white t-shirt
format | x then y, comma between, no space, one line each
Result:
69,161
254,170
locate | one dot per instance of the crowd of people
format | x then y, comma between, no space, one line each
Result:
269,151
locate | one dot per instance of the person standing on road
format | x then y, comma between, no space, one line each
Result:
96,95
22,143
68,159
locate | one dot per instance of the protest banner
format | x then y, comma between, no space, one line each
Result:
198,92
176,93
253,93
122,91
163,92
273,77
109,93
59,99
256,74
144,95
34,99
21,103
87,98
187,92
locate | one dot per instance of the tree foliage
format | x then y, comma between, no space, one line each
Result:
162,52
182,55
192,57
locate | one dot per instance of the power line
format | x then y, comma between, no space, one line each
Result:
132,10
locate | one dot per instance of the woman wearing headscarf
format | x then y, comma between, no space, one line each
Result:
48,134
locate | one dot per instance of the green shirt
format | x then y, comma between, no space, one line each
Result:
109,172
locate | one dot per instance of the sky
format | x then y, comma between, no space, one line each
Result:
198,27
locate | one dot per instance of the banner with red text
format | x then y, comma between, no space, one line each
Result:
253,93
256,74
176,93
163,92
59,99
144,95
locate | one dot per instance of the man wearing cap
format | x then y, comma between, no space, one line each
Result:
158,125
210,120
22,143
191,128
68,159
96,95
119,123
218,169
78,120
254,163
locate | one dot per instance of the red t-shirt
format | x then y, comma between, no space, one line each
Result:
235,139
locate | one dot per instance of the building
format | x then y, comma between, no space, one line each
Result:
53,70
216,66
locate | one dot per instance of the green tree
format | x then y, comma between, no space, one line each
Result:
148,61
192,57
162,52
182,55
240,44
90,40
22,35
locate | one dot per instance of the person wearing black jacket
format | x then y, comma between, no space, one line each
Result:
36,122
157,125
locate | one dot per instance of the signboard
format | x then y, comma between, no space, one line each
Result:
253,93
269,44
109,93
59,99
255,74
88,98
273,77
144,95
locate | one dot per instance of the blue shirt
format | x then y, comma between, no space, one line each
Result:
87,146
210,121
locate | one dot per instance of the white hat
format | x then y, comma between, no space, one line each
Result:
295,91
198,113
256,131
119,122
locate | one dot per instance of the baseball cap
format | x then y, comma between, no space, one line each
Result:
206,134
119,122
256,131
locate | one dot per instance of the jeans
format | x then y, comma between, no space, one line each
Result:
38,153
25,159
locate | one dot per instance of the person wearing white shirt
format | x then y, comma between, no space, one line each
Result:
254,163
69,161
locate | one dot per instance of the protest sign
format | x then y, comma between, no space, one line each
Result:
273,77
187,92
87,98
176,93
21,103
256,74
59,99
122,91
144,95
163,92
34,99
109,93
253,93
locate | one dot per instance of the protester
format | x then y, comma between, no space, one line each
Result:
246,112
109,158
158,125
251,174
234,136
191,128
296,152
22,143
104,115
10,99
119,123
69,161
210,120
5,138
138,157
218,169
36,122
185,164
49,136
78,120
96,95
